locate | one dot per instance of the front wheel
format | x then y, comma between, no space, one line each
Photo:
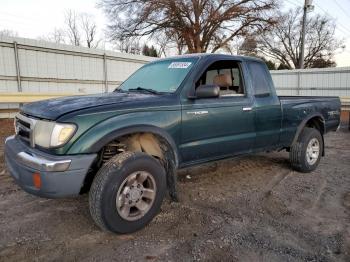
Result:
127,192
306,153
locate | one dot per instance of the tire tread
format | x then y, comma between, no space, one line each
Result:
99,183
297,151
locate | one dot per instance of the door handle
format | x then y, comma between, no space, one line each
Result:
247,109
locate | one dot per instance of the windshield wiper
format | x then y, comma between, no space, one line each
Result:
139,88
119,90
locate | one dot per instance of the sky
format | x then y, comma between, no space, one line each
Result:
36,18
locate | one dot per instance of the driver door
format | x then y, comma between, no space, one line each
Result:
214,128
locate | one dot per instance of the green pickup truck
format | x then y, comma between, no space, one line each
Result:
124,147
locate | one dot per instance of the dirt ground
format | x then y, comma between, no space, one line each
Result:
246,209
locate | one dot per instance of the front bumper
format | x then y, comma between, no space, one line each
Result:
61,176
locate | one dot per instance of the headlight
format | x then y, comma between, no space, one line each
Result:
50,134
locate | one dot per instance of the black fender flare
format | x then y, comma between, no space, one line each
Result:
98,145
303,124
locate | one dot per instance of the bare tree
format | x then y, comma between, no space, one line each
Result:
170,40
248,46
163,44
8,33
80,30
73,33
57,36
283,42
129,45
200,25
89,29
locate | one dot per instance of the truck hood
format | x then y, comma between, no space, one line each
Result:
54,108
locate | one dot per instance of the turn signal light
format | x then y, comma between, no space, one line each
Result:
37,180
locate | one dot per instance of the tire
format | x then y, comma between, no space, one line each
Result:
114,191
300,159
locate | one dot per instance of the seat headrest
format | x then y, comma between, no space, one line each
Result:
223,80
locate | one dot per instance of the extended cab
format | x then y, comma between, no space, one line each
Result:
126,146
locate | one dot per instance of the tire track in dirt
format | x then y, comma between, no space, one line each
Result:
275,181
318,200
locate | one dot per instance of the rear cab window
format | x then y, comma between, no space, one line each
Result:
260,81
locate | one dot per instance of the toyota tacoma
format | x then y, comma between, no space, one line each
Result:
124,147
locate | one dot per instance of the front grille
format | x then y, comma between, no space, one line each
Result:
23,123
25,134
24,127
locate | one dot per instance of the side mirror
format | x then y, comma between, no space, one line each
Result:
207,91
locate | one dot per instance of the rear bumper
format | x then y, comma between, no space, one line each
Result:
61,176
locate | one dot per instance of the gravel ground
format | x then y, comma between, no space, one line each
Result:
246,209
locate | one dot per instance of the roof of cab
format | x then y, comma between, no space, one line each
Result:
207,55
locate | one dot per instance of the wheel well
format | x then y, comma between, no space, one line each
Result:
314,122
317,123
147,142
136,142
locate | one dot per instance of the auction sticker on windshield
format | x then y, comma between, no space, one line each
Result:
179,65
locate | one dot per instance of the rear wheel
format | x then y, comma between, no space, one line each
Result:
127,192
306,153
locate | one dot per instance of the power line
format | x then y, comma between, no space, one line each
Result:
10,19
340,27
11,22
21,17
293,3
343,29
340,7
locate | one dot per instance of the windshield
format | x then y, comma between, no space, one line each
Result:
164,76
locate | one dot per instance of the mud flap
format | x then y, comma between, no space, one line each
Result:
171,179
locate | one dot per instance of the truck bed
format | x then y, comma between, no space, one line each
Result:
295,108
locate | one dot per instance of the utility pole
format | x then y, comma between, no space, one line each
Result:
308,7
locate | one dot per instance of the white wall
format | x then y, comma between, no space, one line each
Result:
313,82
53,68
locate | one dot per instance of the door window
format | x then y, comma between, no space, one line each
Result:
225,74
